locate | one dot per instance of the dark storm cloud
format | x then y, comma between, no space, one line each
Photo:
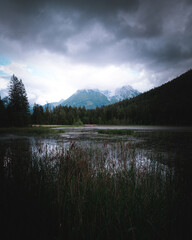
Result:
156,34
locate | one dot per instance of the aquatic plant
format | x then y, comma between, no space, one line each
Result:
88,192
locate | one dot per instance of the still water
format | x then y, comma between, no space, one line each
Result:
169,147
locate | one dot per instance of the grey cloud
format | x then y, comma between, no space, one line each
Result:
156,34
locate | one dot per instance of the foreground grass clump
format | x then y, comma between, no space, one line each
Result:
85,193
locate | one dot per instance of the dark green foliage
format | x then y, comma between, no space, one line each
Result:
38,116
169,104
14,109
27,131
61,115
18,106
3,113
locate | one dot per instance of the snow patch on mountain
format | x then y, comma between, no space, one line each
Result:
120,94
92,98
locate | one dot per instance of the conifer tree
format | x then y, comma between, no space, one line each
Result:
2,113
18,103
38,116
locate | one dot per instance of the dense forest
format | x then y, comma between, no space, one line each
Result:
169,104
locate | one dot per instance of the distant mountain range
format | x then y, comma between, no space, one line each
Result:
168,104
92,98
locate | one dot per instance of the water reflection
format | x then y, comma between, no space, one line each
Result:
165,149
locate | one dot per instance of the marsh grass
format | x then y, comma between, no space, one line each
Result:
31,131
87,193
116,131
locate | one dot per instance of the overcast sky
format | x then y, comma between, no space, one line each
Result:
57,47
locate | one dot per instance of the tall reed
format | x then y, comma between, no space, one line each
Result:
86,192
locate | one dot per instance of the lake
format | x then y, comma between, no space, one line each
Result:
71,183
170,146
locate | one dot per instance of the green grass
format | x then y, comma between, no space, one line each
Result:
116,131
31,131
84,193
35,131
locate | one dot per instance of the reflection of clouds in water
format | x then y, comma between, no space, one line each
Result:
145,163
114,150
48,147
115,155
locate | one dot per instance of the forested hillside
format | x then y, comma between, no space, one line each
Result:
169,104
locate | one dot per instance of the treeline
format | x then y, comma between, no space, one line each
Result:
169,104
67,115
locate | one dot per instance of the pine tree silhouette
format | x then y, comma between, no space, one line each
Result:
18,103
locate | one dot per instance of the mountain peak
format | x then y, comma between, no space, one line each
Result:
86,90
119,94
92,98
126,92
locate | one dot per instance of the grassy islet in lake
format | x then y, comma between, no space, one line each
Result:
116,131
